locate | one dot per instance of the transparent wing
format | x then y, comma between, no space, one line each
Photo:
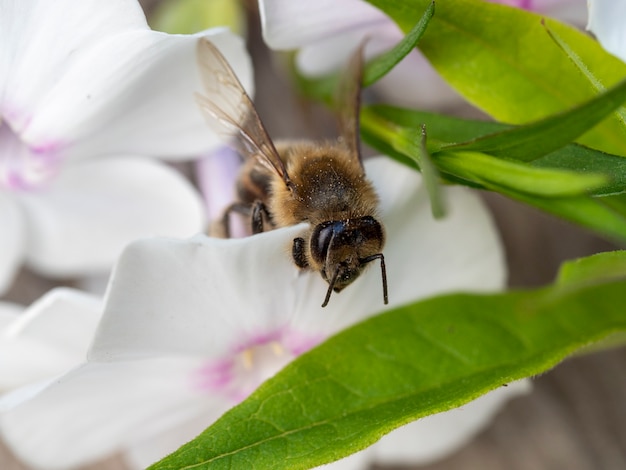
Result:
229,110
349,103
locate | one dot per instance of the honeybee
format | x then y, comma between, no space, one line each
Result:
280,185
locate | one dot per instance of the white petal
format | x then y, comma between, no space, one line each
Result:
436,436
328,55
49,338
156,446
227,289
290,24
400,86
12,398
358,461
11,240
9,312
424,257
100,409
64,318
606,21
134,93
94,284
98,81
24,361
41,40
82,221
196,296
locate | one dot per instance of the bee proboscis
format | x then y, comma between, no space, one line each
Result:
285,184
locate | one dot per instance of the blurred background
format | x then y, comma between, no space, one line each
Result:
575,417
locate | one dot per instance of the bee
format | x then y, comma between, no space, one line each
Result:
285,184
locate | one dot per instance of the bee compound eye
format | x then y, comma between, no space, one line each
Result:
321,239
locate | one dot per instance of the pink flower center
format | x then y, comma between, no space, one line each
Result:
24,167
236,376
523,4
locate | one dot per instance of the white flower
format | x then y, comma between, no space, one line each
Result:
326,32
45,340
87,91
192,327
606,21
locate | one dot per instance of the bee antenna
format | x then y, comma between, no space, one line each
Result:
331,285
383,272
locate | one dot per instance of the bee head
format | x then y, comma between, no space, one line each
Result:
343,248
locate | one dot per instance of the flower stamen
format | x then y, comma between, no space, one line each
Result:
238,375
246,357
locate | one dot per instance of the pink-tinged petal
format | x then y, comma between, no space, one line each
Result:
49,338
102,408
134,93
606,21
542,6
571,11
217,177
197,296
436,436
41,40
81,222
423,256
290,24
12,236
216,174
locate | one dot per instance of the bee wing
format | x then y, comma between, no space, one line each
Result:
349,103
230,111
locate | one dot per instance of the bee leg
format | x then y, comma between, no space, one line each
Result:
239,208
297,251
259,212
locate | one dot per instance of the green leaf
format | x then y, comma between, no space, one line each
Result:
511,176
599,267
415,148
595,268
585,160
386,128
531,141
380,125
446,129
592,213
502,60
410,362
192,16
380,66
323,88
616,203
582,67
